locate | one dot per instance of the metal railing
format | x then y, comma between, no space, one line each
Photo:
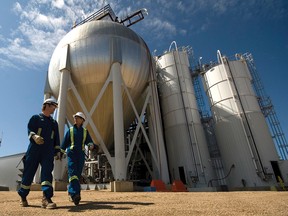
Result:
98,15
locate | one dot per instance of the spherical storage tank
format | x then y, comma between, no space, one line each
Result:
92,50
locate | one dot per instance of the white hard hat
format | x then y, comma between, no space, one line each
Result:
80,114
50,101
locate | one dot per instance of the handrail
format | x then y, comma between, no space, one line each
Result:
98,15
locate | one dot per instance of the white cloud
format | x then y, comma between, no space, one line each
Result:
42,25
44,22
17,7
18,51
183,31
161,27
7,64
181,6
58,3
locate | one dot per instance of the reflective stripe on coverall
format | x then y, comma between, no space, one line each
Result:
47,128
74,141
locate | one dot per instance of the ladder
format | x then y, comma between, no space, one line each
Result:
267,109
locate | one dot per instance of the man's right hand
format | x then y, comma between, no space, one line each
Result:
38,139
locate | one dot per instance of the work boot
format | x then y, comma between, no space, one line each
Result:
47,203
76,199
23,202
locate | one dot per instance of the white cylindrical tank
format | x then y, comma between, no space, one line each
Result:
11,168
186,145
93,47
242,133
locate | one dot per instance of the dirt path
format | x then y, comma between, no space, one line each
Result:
152,203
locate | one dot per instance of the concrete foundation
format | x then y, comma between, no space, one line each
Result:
121,186
4,188
35,187
60,186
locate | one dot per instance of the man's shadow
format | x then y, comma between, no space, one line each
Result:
89,205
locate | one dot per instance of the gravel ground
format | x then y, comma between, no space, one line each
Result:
103,202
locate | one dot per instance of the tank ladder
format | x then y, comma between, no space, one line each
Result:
267,108
199,96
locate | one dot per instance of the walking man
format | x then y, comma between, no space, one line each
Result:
74,141
44,145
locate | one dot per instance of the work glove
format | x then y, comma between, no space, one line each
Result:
94,149
58,156
91,146
38,139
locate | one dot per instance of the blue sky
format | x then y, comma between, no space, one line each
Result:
31,29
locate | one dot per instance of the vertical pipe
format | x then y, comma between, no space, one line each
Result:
157,129
120,165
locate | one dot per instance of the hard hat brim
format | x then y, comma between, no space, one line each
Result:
55,104
78,116
50,101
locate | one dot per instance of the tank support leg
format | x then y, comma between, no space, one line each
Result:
120,165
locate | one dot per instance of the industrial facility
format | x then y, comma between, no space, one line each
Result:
166,117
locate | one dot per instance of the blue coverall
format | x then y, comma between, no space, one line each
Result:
36,154
75,146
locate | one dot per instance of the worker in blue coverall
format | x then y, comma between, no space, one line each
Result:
74,143
44,145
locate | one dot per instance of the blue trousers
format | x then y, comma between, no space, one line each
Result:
75,165
36,155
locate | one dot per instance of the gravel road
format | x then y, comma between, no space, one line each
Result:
103,203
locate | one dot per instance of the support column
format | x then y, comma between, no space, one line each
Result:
47,94
64,81
120,165
37,179
47,89
64,68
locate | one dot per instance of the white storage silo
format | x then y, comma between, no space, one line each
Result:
242,134
186,145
